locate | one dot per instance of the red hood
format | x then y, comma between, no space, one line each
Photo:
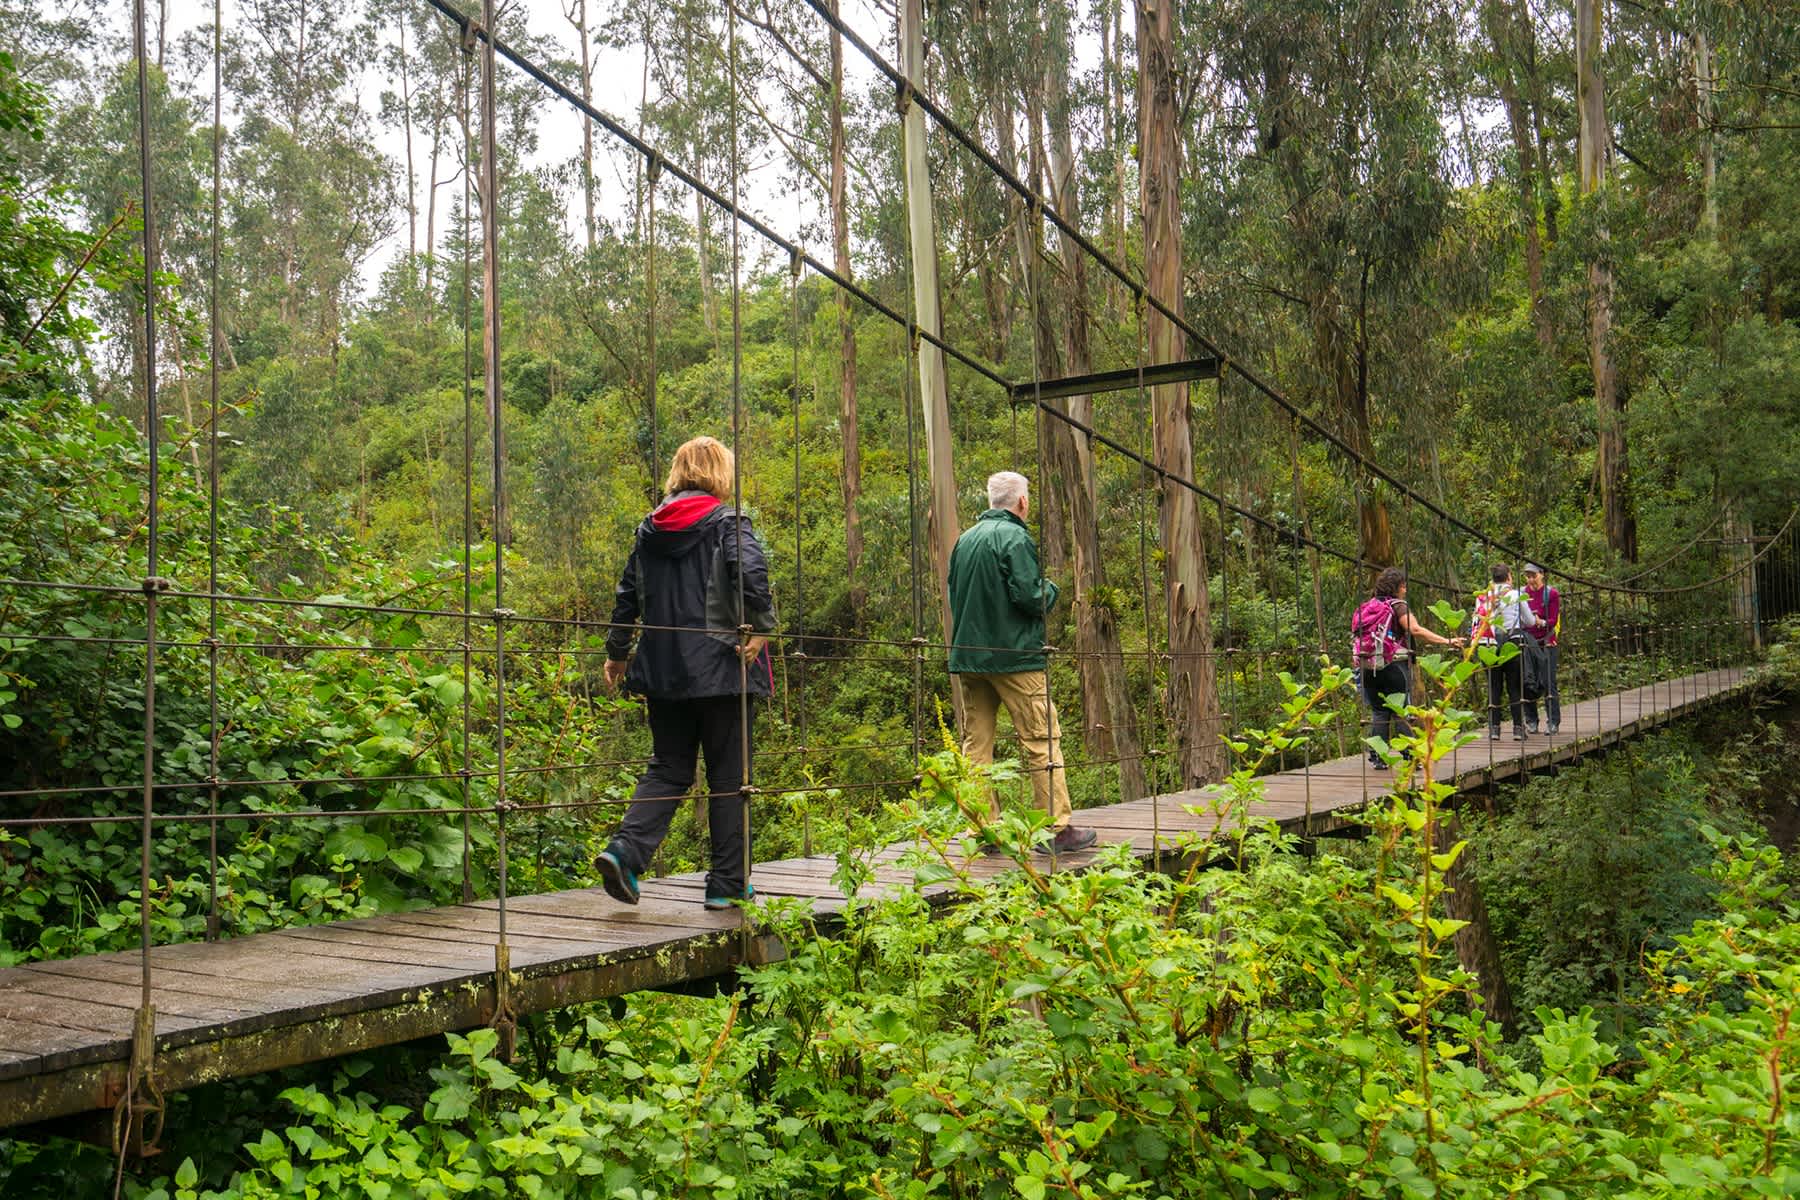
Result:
682,513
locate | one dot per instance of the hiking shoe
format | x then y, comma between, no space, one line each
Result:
1518,735
1377,763
619,880
721,903
1493,733
1555,728
1531,727
1068,840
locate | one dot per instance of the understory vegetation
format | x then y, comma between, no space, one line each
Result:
1264,1018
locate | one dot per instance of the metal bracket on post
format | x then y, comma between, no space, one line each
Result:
505,1020
142,1099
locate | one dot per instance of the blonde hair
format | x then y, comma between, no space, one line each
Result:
703,464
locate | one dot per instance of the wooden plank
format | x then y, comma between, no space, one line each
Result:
548,934
128,996
84,1017
396,947
31,1041
117,969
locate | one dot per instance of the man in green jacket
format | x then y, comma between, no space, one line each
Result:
998,598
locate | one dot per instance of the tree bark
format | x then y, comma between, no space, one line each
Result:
1109,719
1709,168
1193,695
1476,949
1501,35
934,397
578,17
1609,405
406,106
847,420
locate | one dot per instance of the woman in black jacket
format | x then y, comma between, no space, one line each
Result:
696,577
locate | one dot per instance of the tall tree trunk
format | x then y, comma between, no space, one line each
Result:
1121,205
1534,90
578,17
1109,720
489,192
1028,227
1476,948
1500,31
412,182
1709,167
431,220
709,304
847,421
934,396
1609,406
1193,695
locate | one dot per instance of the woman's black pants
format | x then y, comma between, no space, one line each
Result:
680,731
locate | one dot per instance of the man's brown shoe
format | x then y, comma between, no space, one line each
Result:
1070,839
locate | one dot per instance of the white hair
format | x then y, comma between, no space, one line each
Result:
1006,488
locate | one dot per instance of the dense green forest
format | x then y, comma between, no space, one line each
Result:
1550,290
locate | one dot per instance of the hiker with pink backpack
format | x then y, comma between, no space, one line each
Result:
1381,636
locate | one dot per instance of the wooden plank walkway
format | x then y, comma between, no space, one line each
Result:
256,1003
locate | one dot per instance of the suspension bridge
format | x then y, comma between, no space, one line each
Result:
118,1031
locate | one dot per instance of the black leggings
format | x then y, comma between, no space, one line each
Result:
1377,686
680,730
1508,677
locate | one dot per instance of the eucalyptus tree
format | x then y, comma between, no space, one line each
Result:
1594,153
1193,700
107,178
313,196
1338,184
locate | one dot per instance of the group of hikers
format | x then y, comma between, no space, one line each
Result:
695,596
1382,646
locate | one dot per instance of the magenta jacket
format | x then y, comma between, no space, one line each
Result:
1546,602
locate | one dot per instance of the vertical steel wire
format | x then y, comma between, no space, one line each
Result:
652,176
1034,294
212,495
795,267
1152,489
745,788
133,1108
504,1019
468,464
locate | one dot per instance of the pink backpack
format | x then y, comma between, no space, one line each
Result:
1373,641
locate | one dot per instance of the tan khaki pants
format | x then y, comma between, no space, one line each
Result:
1026,695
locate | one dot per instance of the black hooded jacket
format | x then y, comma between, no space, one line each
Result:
683,576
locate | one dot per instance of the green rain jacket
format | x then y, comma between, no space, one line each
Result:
998,598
